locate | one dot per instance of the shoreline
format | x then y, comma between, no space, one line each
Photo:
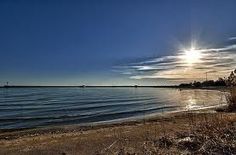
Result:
129,137
77,127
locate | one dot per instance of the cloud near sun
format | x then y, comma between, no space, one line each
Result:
187,65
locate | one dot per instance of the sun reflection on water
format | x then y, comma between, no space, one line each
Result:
192,104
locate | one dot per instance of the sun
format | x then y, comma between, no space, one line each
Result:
191,56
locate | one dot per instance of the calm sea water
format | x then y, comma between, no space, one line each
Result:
36,107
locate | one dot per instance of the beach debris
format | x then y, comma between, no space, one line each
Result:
63,153
121,152
188,143
164,142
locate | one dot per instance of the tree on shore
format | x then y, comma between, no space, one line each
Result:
231,81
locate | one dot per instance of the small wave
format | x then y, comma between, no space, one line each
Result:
83,116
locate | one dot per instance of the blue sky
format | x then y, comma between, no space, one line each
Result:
109,42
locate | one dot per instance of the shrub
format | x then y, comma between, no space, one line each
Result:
231,100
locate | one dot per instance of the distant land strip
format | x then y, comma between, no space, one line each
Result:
84,86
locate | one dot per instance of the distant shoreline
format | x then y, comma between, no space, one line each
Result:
84,86
135,86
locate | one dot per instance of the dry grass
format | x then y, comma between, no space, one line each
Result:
211,135
214,137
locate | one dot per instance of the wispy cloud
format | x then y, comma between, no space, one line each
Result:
218,62
232,38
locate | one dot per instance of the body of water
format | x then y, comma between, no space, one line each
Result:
37,107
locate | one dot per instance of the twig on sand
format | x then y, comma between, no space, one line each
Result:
111,145
107,148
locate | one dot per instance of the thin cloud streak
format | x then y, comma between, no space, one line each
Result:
232,38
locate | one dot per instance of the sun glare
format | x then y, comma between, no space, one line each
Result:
192,56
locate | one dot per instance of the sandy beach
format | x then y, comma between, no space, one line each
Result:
171,133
